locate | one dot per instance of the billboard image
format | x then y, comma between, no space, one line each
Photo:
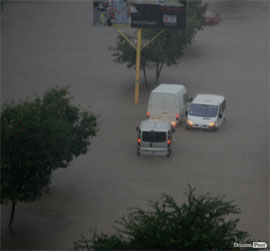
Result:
112,12
140,13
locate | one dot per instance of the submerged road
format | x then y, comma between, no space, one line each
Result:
45,44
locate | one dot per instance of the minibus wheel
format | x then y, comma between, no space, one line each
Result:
214,129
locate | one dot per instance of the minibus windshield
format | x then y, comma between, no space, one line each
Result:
154,136
203,110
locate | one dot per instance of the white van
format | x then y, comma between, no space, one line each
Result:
168,102
154,136
206,112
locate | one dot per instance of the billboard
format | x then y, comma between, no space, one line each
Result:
168,14
140,13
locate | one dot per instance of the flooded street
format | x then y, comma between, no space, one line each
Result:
45,44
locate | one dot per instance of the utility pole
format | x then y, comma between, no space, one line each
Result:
138,65
138,47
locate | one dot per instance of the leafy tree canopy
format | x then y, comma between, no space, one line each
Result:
38,136
203,223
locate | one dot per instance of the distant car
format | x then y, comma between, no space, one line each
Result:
212,17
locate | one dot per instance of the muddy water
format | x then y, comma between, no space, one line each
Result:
45,44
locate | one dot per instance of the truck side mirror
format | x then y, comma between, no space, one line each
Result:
220,116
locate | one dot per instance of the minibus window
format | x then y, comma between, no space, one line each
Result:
154,136
203,110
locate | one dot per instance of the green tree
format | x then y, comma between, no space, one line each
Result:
38,136
203,223
167,48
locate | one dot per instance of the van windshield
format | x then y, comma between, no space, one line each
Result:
203,110
154,136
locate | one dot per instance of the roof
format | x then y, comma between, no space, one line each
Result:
168,88
208,99
157,125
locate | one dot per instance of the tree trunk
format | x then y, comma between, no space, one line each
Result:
12,214
157,66
158,70
145,78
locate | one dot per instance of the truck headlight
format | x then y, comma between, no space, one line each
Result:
211,124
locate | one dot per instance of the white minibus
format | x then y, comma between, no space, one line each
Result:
206,111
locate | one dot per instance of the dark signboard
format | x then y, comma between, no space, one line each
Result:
159,15
140,13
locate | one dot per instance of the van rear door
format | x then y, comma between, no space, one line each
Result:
169,106
155,107
154,140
